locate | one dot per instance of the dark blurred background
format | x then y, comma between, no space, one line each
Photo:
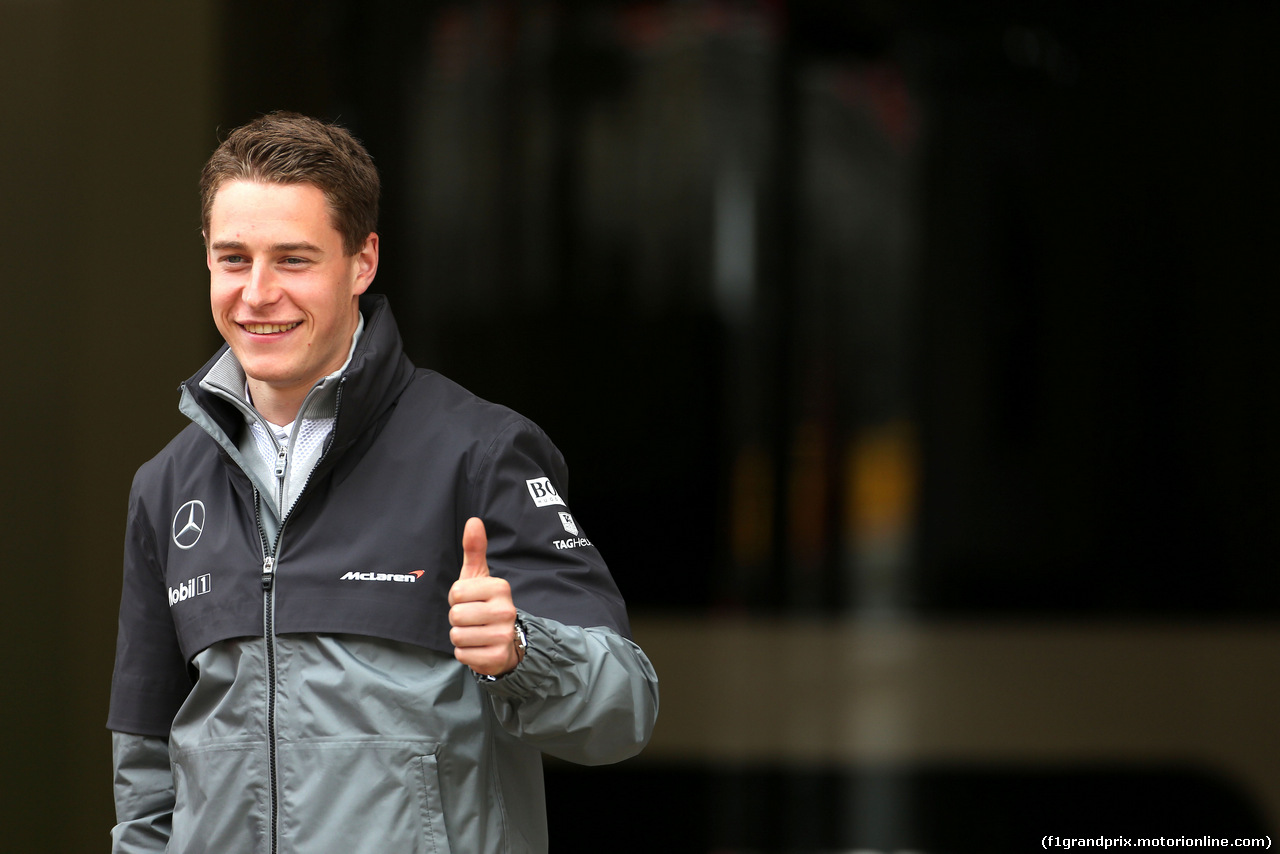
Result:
910,360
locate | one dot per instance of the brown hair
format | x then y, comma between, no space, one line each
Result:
288,148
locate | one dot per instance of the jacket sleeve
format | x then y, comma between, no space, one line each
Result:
149,683
585,691
535,542
586,695
143,792
150,680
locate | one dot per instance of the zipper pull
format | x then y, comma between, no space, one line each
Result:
268,572
280,461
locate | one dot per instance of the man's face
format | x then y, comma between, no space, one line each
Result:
282,291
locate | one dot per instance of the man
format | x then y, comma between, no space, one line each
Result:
356,607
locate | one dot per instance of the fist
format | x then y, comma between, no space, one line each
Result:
481,613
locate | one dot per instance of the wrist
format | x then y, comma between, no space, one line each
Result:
519,644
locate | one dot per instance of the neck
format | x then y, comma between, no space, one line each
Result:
277,405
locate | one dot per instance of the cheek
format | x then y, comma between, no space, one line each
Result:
222,301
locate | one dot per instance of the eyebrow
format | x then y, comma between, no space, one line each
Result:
301,246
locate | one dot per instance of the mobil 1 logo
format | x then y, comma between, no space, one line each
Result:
190,588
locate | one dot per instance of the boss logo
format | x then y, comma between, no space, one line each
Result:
544,494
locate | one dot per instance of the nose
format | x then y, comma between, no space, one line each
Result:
262,288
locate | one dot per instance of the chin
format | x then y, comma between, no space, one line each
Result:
264,373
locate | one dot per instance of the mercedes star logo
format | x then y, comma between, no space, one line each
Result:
188,524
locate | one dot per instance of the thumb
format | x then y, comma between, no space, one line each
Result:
475,543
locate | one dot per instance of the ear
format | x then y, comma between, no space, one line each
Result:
366,261
208,255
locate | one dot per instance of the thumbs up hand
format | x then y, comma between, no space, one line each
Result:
481,611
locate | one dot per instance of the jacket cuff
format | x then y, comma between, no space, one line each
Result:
542,657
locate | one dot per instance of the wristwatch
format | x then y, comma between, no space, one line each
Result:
522,641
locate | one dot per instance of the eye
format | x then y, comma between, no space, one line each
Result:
232,259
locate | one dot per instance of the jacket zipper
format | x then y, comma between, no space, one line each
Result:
270,554
269,635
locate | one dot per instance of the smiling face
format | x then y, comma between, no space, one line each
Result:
284,295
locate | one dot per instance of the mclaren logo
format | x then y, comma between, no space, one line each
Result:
188,524
383,576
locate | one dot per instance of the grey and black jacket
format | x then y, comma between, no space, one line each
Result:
289,685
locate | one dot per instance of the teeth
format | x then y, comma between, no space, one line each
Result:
268,328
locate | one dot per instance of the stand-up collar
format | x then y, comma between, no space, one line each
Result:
375,376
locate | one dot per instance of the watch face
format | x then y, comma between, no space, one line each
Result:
522,643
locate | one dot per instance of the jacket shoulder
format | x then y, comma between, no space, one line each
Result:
184,449
433,395
454,421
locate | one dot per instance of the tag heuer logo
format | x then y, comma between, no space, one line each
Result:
544,494
571,526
